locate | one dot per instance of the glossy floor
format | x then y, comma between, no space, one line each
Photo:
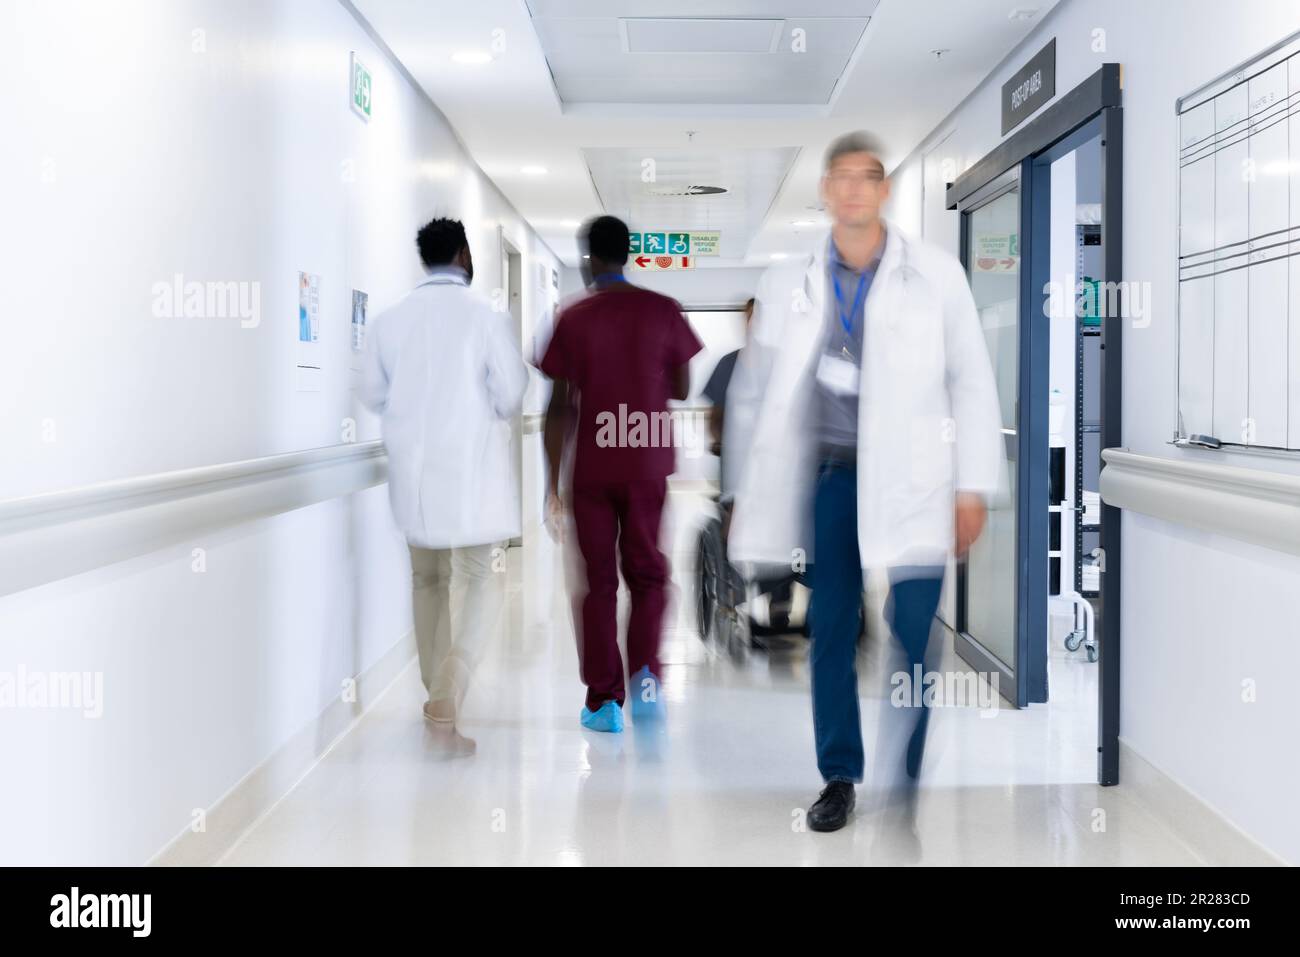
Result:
724,780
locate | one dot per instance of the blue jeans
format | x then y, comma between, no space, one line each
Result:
836,613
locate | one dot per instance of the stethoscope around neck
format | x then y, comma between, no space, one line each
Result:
905,272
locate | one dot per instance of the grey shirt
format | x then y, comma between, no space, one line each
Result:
837,415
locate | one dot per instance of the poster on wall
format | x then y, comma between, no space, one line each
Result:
308,366
360,301
308,307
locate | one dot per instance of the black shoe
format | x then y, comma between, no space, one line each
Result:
833,807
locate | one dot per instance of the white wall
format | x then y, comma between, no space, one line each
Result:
1202,614
212,139
711,286
720,286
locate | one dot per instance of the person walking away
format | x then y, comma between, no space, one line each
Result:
445,375
616,358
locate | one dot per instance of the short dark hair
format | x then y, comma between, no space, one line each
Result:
606,238
440,241
859,141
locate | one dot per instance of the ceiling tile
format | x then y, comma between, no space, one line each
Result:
709,60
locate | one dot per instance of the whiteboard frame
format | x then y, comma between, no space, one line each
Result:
1182,104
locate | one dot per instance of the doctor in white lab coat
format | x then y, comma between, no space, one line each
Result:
444,372
863,430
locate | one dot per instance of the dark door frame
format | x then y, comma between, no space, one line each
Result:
1093,108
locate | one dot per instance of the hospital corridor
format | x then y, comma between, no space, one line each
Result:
716,784
672,434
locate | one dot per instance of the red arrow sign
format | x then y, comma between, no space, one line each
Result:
643,261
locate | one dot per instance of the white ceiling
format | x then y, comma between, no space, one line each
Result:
588,89
629,188
641,59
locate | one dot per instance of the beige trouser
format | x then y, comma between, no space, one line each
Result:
448,655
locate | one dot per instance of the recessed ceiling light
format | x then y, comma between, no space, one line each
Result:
471,57
1023,13
778,255
533,170
569,223
804,222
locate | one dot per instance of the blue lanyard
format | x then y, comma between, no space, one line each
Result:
847,321
610,277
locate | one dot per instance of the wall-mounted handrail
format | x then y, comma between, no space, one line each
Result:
55,535
1246,504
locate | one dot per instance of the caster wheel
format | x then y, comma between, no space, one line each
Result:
738,637
721,627
1092,653
1073,640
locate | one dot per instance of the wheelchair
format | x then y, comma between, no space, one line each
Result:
735,613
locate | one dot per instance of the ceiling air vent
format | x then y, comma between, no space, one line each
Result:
699,35
685,190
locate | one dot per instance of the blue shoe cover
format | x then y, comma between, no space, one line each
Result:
645,691
608,717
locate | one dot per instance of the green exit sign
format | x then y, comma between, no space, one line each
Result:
361,87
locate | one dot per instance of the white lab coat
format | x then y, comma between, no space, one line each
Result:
444,372
928,415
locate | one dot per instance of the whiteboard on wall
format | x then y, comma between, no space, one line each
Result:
1239,254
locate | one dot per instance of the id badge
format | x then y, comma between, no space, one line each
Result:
838,375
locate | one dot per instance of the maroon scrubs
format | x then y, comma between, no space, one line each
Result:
619,349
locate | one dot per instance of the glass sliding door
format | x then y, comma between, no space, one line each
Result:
987,583
1005,204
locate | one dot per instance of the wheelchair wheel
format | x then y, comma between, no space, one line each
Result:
707,571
